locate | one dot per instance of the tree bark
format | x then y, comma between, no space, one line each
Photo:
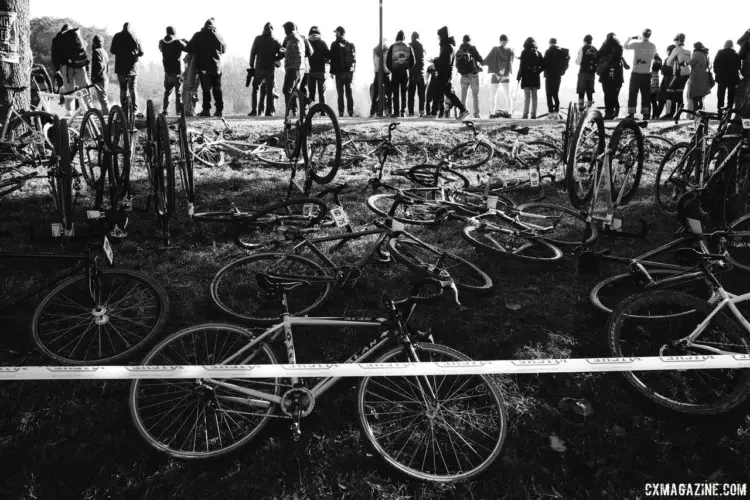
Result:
15,76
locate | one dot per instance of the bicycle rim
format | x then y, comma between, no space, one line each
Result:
186,164
417,213
673,178
469,155
737,243
322,143
626,162
491,238
437,176
118,137
91,151
587,144
564,226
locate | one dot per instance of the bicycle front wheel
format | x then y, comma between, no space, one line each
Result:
673,177
186,163
457,424
538,154
91,152
502,239
737,243
194,419
118,139
631,332
437,176
406,154
322,143
414,213
626,163
586,146
470,154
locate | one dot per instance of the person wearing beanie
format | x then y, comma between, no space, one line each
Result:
399,59
444,73
297,50
499,64
610,71
265,57
679,59
171,49
700,85
207,47
416,76
531,65
640,76
587,59
321,55
468,64
100,72
126,47
343,63
554,67
727,66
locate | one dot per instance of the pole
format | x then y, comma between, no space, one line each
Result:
381,76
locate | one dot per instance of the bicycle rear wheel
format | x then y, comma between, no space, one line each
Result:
205,151
118,139
321,146
186,164
260,229
276,157
490,237
292,125
436,176
91,153
63,176
194,419
564,225
586,145
33,131
626,162
471,154
675,176
737,246
655,147
457,424
406,154
166,166
415,213
538,154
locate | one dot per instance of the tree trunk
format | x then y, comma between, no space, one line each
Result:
15,56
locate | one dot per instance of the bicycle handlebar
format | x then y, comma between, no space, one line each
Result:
699,113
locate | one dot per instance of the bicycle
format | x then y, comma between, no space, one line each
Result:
25,136
457,424
356,151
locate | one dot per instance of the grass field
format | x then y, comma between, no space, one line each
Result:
65,439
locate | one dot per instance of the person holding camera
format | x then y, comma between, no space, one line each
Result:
640,77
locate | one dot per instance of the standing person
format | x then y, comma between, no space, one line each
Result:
444,68
374,87
208,46
100,72
640,76
126,47
297,50
664,103
587,59
699,75
343,63
611,75
399,59
70,60
469,64
531,64
727,65
265,55
655,85
416,75
499,64
171,49
59,55
679,59
431,94
555,64
321,56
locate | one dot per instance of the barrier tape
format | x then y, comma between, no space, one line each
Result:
520,366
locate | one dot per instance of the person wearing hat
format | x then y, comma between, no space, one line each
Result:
171,49
321,55
727,66
265,57
127,50
499,64
100,72
470,73
553,63
610,70
343,62
207,46
297,50
679,59
587,59
640,76
700,66
444,73
399,59
416,75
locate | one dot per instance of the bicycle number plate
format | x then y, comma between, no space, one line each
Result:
81,93
108,251
746,123
396,225
94,214
492,202
534,177
56,228
339,216
309,210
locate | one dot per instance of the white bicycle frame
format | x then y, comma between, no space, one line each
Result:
38,139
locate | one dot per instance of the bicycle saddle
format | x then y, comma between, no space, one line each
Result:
286,283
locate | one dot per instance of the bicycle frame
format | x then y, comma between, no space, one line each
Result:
728,300
37,139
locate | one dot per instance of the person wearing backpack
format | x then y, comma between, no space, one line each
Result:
611,77
640,76
468,65
265,57
444,68
727,65
100,72
530,67
555,63
343,61
297,50
416,76
70,60
126,48
679,59
399,59
321,56
499,64
587,59
171,49
375,87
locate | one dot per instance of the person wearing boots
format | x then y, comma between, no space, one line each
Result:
207,46
265,57
171,49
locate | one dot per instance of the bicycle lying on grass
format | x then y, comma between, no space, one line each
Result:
356,151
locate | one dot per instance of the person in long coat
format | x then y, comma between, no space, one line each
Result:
700,85
612,77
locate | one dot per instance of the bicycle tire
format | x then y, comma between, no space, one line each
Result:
92,141
13,182
470,154
570,120
537,154
32,123
186,164
572,222
204,152
418,212
140,324
118,140
654,385
427,175
234,423
738,247
532,249
381,418
631,161
673,177
655,147
276,157
260,228
64,176
407,154
167,165
736,190
150,153
292,124
246,289
578,179
321,148
422,260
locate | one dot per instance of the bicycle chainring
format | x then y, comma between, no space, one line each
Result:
299,401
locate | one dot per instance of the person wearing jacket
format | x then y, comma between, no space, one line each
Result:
679,59
265,57
587,59
70,60
444,68
399,60
374,87
499,64
100,72
699,75
297,50
531,64
321,56
727,65
343,70
553,63
611,77
207,46
171,49
640,76
416,76
663,101
126,47
471,79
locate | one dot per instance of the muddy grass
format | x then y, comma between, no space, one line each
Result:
76,440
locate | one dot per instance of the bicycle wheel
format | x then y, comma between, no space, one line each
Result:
33,131
470,154
186,164
261,229
586,145
12,179
737,246
435,176
626,162
167,167
118,140
571,119
276,157
490,236
544,155
91,152
80,322
321,148
63,176
564,226
436,263
655,147
292,125
736,186
193,419
205,151
690,392
608,293
418,212
406,154
436,428
674,177
236,292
